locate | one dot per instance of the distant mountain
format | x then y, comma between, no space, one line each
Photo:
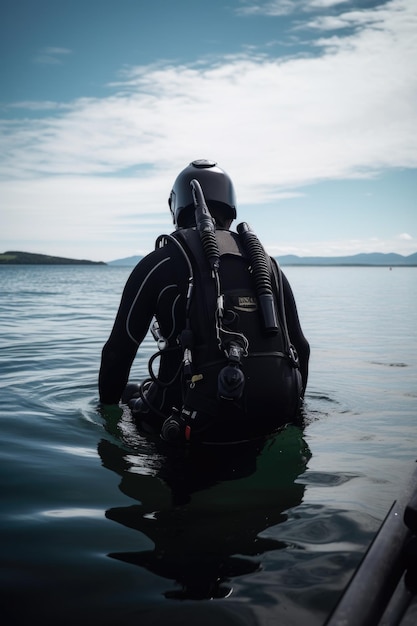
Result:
363,259
28,258
371,258
129,261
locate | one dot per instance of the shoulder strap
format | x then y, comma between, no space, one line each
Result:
191,238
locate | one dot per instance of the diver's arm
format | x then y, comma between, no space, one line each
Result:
295,332
137,306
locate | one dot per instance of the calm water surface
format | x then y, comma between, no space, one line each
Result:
99,526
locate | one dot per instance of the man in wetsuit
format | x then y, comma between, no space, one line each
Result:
159,289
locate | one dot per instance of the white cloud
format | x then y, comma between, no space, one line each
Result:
44,105
274,124
285,7
336,115
377,18
51,55
325,4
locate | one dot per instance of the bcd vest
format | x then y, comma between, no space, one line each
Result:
240,379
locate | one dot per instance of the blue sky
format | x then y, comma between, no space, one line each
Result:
310,106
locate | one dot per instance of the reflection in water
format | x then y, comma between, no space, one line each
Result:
205,508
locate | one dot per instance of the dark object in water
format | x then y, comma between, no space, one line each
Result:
383,590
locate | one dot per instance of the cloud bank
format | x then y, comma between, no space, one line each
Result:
345,111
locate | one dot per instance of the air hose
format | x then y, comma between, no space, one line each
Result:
262,277
205,226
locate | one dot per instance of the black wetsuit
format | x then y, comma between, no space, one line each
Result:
158,287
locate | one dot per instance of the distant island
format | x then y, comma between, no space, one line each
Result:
29,258
373,259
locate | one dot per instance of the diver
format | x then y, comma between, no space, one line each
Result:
232,361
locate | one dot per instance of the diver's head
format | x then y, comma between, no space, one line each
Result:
218,192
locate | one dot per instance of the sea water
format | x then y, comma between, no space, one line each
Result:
100,526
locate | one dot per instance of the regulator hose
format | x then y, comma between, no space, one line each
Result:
262,277
205,226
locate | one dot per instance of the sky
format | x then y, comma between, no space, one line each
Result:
309,105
